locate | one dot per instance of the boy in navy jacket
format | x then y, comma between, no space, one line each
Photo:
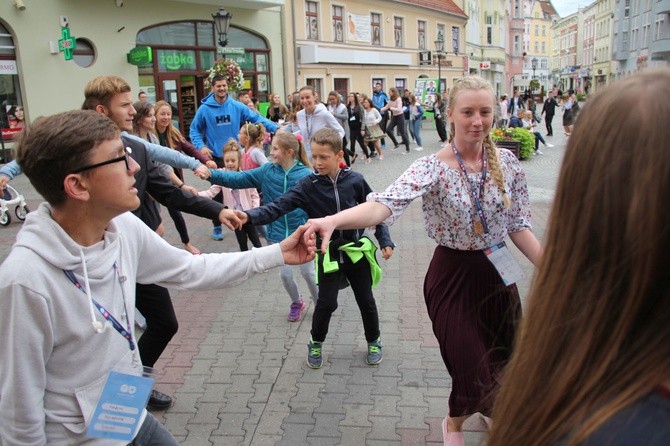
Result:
350,257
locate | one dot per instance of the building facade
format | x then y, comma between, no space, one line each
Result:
565,69
350,46
38,73
538,18
602,58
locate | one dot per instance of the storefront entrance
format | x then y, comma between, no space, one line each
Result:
183,52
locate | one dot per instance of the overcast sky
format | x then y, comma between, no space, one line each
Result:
567,7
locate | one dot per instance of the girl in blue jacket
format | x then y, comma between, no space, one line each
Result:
289,164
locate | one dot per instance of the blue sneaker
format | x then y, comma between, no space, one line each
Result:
314,358
374,352
217,233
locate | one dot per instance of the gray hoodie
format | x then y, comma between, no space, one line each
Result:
54,364
310,123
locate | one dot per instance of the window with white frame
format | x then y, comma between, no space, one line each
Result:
544,30
376,28
537,30
626,8
421,33
311,20
489,29
338,24
398,23
517,45
315,83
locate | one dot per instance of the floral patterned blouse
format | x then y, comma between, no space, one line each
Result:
447,206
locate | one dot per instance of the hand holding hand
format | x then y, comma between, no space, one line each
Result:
387,252
190,189
229,219
211,164
3,181
324,226
202,172
244,218
299,247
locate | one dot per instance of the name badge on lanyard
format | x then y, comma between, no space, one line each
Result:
120,406
502,259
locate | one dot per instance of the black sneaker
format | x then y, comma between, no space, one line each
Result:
159,400
314,358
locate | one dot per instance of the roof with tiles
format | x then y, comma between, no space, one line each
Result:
447,6
548,8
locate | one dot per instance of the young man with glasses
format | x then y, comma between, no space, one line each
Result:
66,324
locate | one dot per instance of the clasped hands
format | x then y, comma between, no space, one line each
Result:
297,248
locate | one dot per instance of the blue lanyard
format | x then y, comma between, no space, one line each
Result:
474,195
106,314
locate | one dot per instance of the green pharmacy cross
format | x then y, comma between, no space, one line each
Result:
67,44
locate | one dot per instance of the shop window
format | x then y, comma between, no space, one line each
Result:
341,85
84,53
12,113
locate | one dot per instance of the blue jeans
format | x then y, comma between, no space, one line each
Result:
153,433
415,128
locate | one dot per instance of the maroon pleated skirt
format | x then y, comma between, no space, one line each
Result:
474,316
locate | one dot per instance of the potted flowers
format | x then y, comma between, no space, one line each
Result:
519,140
230,70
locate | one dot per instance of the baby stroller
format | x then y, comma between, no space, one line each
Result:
11,196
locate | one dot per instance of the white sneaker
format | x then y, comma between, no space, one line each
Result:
418,149
539,152
550,145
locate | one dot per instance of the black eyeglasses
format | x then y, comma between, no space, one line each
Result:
123,158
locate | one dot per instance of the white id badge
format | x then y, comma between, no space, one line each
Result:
509,269
120,406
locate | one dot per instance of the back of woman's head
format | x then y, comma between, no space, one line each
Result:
255,133
596,336
288,141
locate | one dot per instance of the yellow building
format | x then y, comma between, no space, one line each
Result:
350,46
537,64
602,63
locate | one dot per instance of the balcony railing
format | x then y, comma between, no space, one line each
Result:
662,7
660,47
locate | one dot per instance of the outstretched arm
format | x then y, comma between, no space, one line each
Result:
528,245
364,215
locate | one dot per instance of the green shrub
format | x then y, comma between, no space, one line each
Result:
581,97
527,140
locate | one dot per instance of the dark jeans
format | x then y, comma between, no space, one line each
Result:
155,304
398,121
355,134
153,433
548,118
538,139
248,231
180,224
382,125
360,280
441,127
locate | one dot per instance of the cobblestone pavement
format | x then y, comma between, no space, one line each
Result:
237,367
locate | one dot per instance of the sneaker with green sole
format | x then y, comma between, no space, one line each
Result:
314,358
374,352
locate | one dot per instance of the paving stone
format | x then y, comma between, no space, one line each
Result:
326,425
198,434
359,394
383,428
385,406
354,435
356,415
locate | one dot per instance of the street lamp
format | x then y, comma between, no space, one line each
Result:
222,22
533,63
439,49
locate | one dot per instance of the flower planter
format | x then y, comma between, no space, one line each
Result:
513,146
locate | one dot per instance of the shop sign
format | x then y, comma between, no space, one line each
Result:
227,50
176,60
140,55
245,61
485,65
8,67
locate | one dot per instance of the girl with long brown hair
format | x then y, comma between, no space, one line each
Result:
474,196
591,364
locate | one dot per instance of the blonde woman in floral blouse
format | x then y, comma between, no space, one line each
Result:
474,195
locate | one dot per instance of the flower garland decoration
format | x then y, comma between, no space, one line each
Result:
230,70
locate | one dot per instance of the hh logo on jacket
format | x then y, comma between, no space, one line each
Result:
223,119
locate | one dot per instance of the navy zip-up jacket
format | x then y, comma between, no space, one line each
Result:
320,196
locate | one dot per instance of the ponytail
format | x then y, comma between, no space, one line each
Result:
496,171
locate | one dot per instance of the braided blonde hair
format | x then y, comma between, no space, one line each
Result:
492,152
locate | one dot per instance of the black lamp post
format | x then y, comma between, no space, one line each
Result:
439,49
222,22
533,63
